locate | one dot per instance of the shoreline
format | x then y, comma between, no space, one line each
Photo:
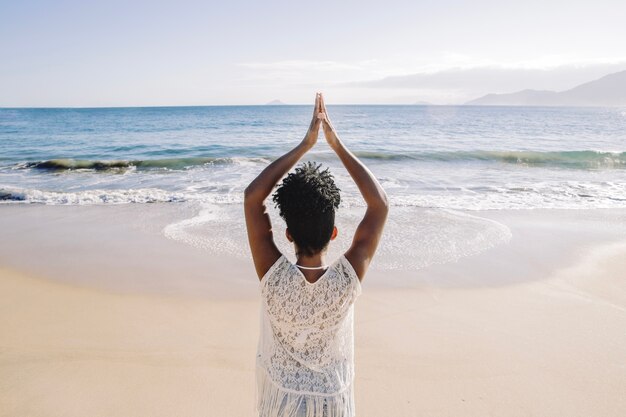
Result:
125,248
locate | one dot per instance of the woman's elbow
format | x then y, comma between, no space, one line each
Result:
384,200
247,193
383,203
251,194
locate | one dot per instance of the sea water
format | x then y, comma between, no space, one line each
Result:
440,165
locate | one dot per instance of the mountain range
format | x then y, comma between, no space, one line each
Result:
609,90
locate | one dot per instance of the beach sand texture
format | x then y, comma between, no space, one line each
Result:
548,340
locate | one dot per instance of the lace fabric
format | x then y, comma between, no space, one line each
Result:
305,355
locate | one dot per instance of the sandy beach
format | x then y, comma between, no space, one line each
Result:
467,161
101,315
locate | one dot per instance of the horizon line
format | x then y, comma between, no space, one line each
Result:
215,105
294,105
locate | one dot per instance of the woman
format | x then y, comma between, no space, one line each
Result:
305,359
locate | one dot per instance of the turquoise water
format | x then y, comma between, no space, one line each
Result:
440,166
456,157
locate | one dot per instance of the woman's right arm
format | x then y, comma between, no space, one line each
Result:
370,229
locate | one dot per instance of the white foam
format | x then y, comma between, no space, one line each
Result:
414,238
15,195
179,230
216,228
417,238
227,188
88,197
544,195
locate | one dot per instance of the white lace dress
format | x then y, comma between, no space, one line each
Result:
305,356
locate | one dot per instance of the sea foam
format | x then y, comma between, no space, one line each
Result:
414,238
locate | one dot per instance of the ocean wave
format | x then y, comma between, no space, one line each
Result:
563,159
145,164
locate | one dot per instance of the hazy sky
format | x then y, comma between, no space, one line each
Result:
111,53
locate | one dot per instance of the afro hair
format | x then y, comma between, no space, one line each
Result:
307,200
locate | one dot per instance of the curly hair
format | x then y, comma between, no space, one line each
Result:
307,200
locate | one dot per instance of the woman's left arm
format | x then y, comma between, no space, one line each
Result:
264,250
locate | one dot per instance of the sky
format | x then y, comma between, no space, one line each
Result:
154,53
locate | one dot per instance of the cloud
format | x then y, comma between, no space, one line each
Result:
494,79
449,79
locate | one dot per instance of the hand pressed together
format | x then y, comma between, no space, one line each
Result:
329,131
311,135
320,117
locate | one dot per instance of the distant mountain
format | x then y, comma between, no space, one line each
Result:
609,90
275,103
422,103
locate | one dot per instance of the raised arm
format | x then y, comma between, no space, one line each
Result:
370,229
264,250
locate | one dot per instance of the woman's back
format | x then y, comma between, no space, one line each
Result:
305,357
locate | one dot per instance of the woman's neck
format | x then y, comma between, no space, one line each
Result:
316,260
313,262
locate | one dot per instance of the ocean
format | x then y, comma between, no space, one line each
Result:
440,165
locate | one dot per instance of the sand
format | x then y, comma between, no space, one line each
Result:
548,342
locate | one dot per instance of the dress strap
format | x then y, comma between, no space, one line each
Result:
311,267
